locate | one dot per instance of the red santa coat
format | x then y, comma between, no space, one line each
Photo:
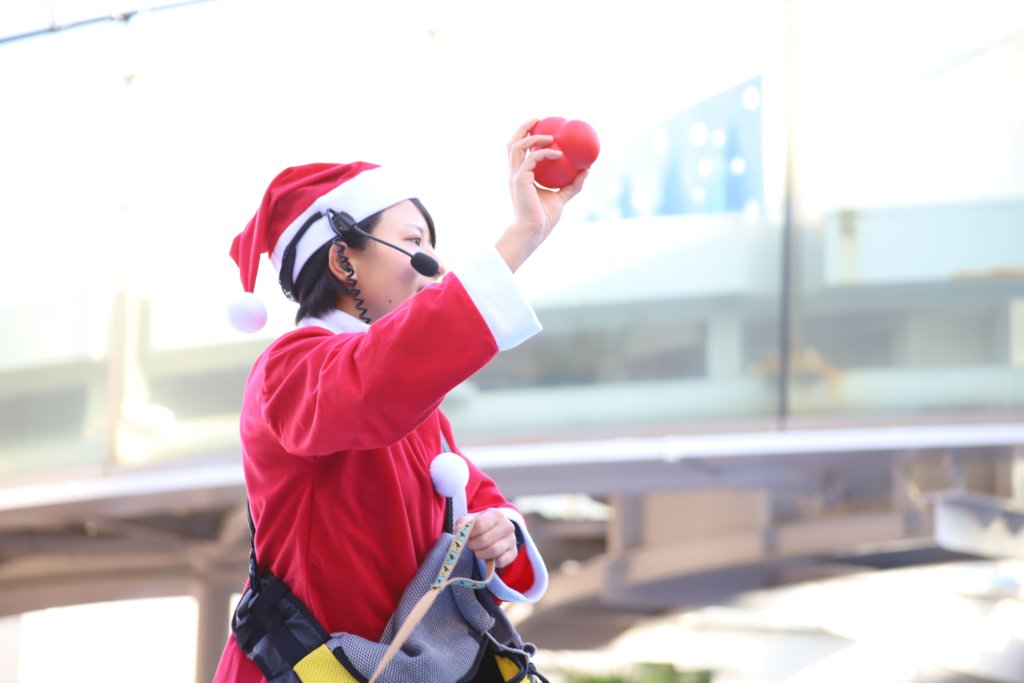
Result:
339,424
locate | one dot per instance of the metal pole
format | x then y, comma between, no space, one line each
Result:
786,293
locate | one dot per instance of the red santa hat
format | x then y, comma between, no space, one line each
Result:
359,189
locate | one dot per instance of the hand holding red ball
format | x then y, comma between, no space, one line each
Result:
547,167
579,145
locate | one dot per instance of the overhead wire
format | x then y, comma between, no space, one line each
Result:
123,17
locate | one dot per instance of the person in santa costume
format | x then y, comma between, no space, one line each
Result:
341,417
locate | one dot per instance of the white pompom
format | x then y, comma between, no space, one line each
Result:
450,474
247,313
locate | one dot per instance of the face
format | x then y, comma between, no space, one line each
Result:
384,275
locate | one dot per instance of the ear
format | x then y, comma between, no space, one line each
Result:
334,262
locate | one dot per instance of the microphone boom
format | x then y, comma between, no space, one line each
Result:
423,264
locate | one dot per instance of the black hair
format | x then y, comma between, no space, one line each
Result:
317,289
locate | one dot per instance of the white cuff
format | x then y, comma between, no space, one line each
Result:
540,572
492,288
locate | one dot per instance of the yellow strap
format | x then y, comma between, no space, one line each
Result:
509,669
321,666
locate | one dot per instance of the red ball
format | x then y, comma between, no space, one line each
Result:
580,147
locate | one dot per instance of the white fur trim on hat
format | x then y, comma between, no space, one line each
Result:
371,191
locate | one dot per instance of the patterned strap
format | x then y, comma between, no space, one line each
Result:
454,551
440,583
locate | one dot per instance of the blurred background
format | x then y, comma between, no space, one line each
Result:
772,430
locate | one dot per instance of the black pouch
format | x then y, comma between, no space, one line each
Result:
275,630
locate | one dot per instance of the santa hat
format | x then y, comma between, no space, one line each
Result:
359,189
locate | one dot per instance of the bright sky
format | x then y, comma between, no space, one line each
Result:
225,94
138,151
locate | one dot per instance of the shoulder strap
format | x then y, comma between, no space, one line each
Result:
253,565
449,511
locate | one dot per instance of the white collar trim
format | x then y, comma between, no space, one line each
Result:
336,321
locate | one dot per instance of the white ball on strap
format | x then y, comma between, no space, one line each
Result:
450,474
247,313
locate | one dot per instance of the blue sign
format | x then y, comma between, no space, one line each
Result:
706,159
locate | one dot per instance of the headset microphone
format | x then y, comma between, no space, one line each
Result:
422,263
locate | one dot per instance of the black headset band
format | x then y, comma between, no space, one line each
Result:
286,277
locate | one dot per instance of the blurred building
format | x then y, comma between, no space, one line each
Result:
773,428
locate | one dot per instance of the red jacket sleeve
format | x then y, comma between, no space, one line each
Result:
322,393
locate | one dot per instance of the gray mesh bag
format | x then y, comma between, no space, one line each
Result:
460,630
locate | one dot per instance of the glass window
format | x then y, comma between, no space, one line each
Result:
909,198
